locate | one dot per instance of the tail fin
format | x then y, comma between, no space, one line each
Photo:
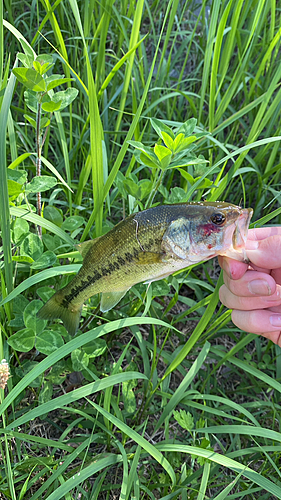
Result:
55,308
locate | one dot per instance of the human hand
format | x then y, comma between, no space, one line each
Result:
254,291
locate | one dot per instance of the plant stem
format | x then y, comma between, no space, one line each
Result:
155,188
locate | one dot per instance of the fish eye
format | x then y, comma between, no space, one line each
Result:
218,219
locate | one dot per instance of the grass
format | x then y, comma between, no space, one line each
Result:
162,397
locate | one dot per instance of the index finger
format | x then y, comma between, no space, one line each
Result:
235,269
266,252
260,233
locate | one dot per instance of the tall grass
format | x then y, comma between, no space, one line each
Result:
4,195
168,393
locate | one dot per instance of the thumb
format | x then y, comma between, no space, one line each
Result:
265,253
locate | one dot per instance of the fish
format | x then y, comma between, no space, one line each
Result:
148,246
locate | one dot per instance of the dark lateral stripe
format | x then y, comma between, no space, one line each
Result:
91,280
129,256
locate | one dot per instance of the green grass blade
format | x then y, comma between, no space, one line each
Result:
180,391
229,41
265,60
215,64
56,173
167,39
96,137
1,44
149,448
81,476
17,34
208,53
224,402
249,451
4,194
266,379
128,73
204,481
40,221
44,21
133,471
96,131
68,399
200,327
83,179
238,347
235,117
124,491
130,133
217,192
242,62
57,32
68,460
118,65
65,157
75,344
106,7
243,430
36,439
278,362
224,461
12,137
41,276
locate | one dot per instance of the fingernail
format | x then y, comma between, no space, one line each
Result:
275,320
259,287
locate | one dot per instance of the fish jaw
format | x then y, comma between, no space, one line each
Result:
239,237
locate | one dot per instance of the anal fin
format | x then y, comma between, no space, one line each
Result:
110,299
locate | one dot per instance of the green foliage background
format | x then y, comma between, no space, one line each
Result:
161,397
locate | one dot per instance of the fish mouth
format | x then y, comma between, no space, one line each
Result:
240,233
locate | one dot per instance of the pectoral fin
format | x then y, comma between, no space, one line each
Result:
110,299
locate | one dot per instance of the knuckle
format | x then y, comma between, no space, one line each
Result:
223,295
245,320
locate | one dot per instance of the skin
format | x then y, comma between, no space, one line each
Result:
254,291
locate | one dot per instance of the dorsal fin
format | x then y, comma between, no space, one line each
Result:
84,247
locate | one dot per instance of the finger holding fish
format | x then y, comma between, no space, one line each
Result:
261,322
253,284
245,303
263,276
254,293
263,248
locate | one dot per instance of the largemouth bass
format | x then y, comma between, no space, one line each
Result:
148,246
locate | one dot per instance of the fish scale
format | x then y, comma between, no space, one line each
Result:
147,246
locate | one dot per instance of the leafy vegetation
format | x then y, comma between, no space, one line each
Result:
108,108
